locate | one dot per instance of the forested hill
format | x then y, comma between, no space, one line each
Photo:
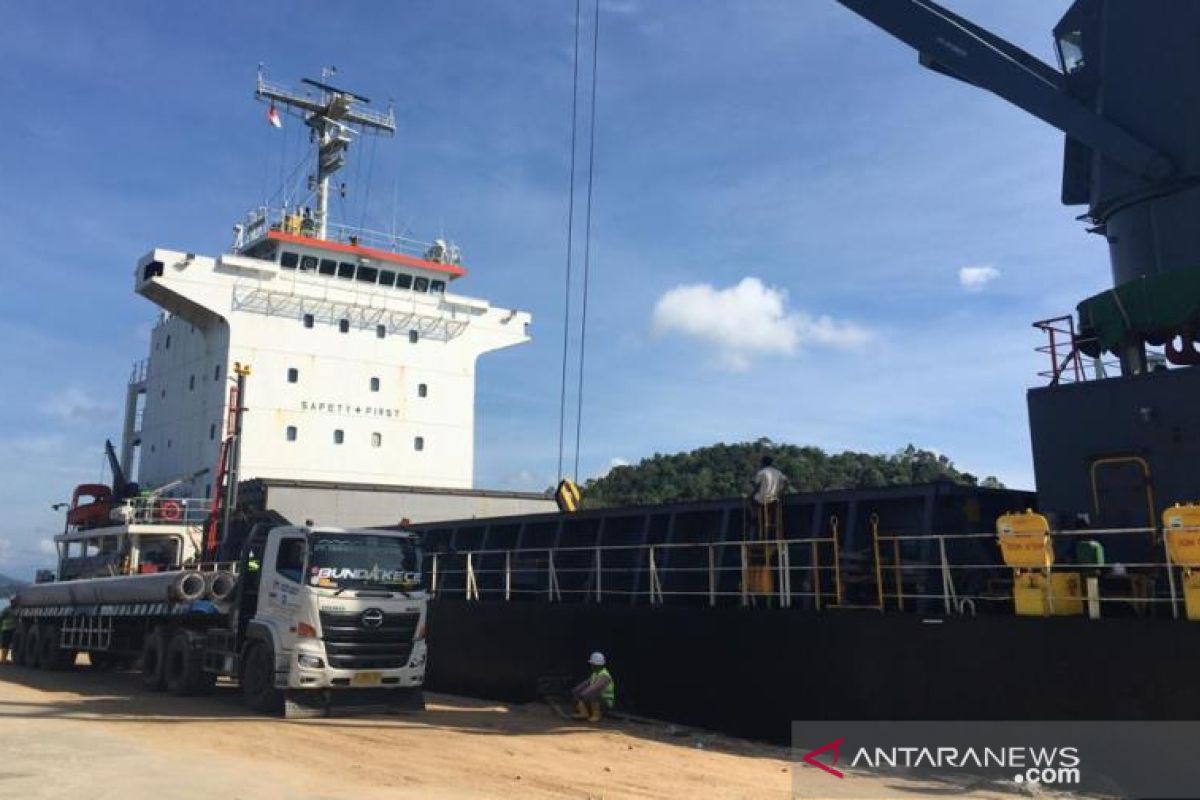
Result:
727,470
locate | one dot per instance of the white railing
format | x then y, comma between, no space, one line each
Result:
161,511
264,219
776,571
958,574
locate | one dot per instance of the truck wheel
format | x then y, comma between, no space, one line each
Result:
257,680
183,669
153,660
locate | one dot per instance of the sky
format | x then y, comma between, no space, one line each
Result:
796,231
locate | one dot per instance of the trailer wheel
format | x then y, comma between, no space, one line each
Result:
257,679
153,660
18,647
33,647
50,655
183,669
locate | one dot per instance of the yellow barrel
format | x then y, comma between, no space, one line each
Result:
1181,523
1025,540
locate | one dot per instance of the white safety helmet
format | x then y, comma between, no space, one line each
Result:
596,659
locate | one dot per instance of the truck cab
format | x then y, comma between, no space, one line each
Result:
324,611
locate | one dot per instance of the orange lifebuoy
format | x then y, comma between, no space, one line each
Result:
171,511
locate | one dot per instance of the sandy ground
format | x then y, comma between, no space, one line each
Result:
101,737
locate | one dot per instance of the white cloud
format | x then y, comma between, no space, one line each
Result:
973,279
747,320
613,463
75,405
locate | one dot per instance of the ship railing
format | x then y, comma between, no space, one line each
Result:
750,572
962,574
151,510
1068,363
137,374
290,220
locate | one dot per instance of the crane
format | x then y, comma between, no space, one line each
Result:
1126,92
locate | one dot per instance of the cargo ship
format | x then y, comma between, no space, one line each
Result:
925,602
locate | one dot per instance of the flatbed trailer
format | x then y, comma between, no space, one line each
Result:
307,620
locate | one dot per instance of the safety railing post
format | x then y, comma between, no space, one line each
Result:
656,593
507,575
947,579
433,577
1170,576
745,576
878,560
837,561
472,587
599,570
712,576
899,577
815,559
552,583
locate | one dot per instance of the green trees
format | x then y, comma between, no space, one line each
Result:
727,470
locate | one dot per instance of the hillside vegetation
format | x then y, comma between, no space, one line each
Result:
727,470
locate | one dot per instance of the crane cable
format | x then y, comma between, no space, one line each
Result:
562,400
587,236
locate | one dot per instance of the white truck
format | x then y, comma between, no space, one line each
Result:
307,620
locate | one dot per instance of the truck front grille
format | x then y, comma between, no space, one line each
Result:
350,643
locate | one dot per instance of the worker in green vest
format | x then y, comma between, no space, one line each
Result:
596,693
8,624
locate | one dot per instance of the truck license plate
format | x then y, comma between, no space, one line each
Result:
366,679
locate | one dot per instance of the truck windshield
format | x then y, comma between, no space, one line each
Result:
356,560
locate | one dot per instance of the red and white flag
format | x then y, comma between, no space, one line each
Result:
273,116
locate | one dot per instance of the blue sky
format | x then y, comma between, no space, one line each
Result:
783,204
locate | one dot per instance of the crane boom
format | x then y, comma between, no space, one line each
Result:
954,46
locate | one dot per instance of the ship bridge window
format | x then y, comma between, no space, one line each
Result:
403,281
1070,52
345,271
291,433
308,264
344,325
387,277
420,284
414,336
419,443
339,436
376,439
293,375
308,320
367,274
422,390
374,384
328,266
437,286
289,260
380,331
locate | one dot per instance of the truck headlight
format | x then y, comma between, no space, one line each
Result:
311,662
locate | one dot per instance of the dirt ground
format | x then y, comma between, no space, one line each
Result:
100,736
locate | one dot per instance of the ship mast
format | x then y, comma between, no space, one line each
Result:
335,116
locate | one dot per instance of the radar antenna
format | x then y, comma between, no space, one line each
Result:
335,116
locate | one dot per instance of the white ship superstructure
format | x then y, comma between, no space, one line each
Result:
362,355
